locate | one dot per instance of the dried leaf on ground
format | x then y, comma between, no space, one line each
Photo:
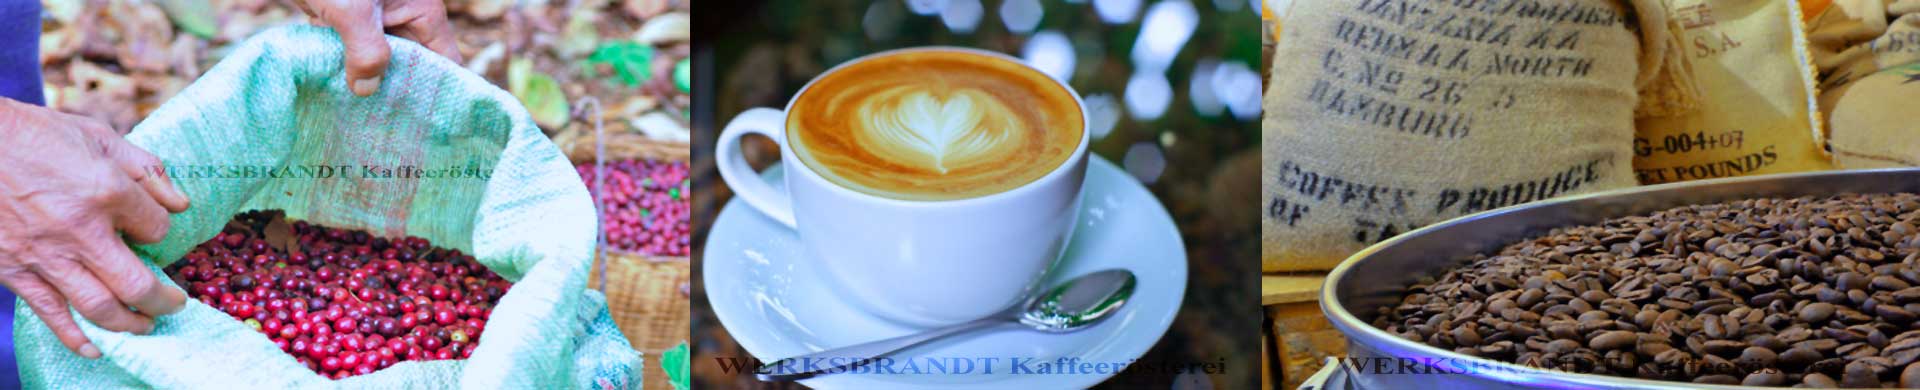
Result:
538,91
192,16
666,29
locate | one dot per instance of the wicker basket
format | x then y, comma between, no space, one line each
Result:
646,294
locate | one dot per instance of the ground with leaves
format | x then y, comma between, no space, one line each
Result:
117,60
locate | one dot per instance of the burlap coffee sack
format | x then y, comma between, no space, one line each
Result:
1856,38
1749,59
1387,115
1874,125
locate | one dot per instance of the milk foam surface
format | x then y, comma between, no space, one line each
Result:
934,125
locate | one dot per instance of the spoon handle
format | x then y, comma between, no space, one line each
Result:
848,357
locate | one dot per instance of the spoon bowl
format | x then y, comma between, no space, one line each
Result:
1079,302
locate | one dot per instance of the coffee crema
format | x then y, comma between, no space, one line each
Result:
933,125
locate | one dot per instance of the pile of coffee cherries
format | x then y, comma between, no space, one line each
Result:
342,302
645,207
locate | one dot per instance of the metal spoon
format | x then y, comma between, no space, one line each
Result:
1067,307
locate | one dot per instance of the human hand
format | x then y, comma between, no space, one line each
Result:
61,202
362,25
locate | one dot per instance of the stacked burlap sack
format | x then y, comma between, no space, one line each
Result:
1866,51
1385,116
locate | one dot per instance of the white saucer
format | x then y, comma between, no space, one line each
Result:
773,304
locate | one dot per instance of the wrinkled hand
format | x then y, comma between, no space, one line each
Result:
362,25
68,184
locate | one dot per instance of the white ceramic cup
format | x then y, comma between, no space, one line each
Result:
922,263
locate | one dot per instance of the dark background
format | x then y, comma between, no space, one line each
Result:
748,54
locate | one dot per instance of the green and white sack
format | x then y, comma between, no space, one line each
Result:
468,170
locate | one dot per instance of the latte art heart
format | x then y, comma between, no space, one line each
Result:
934,125
935,132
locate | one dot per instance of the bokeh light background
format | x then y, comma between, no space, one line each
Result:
1172,86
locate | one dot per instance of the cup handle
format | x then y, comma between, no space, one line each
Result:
740,176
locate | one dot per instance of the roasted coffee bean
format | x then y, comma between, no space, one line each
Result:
1613,340
1579,307
1879,365
1902,351
1857,350
1910,377
1794,334
1822,345
1767,341
1889,283
1466,336
1533,296
1562,346
1623,361
1868,255
1907,295
1818,380
1721,267
1829,295
1563,331
1851,316
1756,357
1563,310
1857,296
1673,357
1621,307
1721,327
1522,330
1800,356
1849,281
1589,326
1765,377
1763,277
1894,314
1834,366
1498,348
1844,335
1816,312
1859,375
1653,348
1500,305
1805,290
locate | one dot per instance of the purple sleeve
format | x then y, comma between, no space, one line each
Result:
19,80
20,51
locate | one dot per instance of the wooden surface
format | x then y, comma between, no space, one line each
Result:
1291,288
1297,339
1302,340
1266,360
